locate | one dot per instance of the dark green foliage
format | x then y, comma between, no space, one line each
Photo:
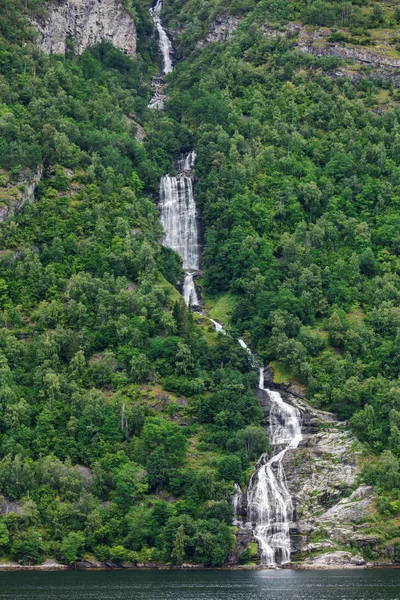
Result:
110,394
91,330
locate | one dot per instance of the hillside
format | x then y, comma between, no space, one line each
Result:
126,420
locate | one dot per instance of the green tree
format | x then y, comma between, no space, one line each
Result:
178,551
71,545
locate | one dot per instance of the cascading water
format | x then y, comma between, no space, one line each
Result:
164,42
166,51
269,504
178,215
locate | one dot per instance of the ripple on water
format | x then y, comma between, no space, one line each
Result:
378,584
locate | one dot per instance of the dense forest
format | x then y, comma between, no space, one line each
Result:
125,419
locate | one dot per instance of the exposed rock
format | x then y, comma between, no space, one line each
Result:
48,565
340,534
86,23
220,30
85,471
140,132
84,563
316,43
321,476
14,195
9,506
158,93
318,546
244,536
339,559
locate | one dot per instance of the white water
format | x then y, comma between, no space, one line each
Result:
178,215
269,504
164,42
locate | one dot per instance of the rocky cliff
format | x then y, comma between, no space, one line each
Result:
86,23
14,195
220,30
332,511
308,40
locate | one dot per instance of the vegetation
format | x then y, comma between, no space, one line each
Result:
124,423
97,350
298,183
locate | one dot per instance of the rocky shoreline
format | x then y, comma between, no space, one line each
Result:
50,565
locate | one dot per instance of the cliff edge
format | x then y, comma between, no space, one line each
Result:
86,23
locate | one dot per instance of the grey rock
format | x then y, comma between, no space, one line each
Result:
338,559
220,30
86,22
19,193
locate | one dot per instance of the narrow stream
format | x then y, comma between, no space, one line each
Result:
269,504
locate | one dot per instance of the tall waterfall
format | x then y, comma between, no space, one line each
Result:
269,504
178,215
164,42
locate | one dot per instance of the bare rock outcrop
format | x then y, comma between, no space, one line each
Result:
86,23
334,560
14,195
220,30
322,476
322,473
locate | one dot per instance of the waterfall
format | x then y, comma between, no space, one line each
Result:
179,218
166,51
178,213
268,500
269,504
164,42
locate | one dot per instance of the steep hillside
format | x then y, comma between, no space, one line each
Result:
118,413
126,420
294,113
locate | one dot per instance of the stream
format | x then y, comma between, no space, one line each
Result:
269,504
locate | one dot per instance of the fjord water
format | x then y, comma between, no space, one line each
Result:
202,585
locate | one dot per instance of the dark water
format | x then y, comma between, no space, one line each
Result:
207,585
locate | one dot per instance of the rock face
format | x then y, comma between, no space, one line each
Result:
86,23
13,196
330,508
334,560
309,41
322,473
220,30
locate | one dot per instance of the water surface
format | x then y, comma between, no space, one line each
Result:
377,584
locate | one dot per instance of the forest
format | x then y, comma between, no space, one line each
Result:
126,420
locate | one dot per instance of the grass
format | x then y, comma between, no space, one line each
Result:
355,316
282,373
173,294
221,308
207,329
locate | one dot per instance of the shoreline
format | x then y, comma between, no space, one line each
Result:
49,566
